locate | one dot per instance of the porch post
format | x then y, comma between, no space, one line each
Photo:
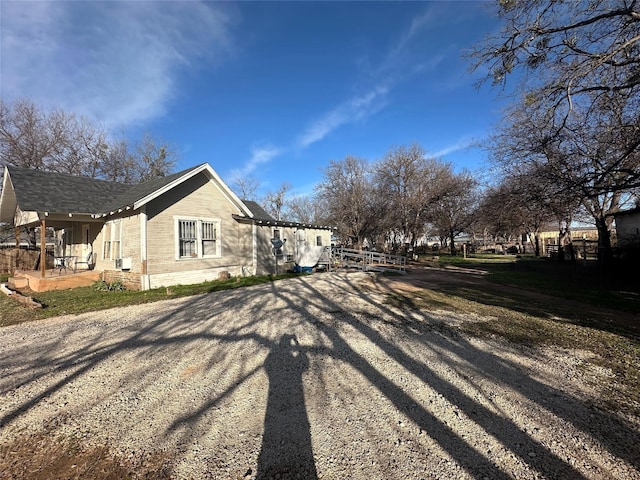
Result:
43,252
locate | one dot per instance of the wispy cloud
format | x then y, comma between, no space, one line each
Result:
117,62
355,109
461,144
417,24
396,66
259,156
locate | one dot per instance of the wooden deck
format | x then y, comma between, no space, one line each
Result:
54,279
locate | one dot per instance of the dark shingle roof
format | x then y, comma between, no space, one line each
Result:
263,218
257,211
141,190
41,191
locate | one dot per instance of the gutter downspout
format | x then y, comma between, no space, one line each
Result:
254,233
144,277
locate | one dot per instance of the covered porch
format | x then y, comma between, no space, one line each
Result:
68,261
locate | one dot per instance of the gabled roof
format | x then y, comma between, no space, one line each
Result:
141,190
40,191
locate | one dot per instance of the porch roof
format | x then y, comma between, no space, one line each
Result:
260,217
40,191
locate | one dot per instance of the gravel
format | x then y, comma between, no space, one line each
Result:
313,377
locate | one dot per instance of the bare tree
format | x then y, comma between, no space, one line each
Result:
247,187
63,142
522,203
580,64
572,48
274,202
408,182
118,165
347,191
28,137
305,209
580,166
153,158
452,213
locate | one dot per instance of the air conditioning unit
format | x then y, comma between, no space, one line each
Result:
123,263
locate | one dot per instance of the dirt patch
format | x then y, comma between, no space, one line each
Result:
453,279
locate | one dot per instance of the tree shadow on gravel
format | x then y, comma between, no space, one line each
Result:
35,362
263,336
618,435
286,442
473,461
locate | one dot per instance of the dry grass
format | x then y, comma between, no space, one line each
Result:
526,321
42,457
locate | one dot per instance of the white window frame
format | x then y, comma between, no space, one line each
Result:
198,239
109,244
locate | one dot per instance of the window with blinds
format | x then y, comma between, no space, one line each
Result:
112,240
106,243
187,234
197,238
209,239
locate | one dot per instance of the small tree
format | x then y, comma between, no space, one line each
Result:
452,212
348,194
408,181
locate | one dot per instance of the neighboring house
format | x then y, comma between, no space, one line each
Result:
628,228
184,228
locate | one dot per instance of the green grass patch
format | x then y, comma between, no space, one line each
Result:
88,299
572,281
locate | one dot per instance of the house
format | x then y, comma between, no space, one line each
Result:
628,228
184,228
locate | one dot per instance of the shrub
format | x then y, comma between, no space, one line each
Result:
103,286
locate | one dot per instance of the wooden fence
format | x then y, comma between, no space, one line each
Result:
12,259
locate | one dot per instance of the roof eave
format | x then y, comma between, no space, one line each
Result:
205,167
8,199
281,223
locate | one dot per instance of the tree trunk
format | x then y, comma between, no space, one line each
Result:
605,254
453,244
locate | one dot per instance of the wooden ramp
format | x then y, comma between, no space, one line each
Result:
368,261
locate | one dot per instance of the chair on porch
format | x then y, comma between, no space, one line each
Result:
89,262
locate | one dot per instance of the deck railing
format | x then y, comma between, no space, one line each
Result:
368,261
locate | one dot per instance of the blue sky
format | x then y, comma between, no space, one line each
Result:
269,90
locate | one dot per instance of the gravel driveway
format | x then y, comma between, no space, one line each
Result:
313,377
